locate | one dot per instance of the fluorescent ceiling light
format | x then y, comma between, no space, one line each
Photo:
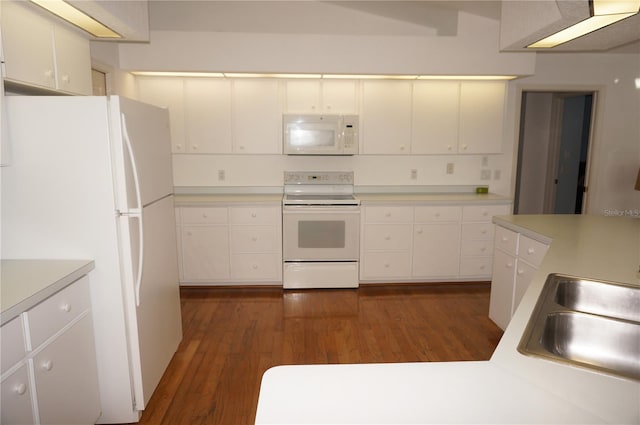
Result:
605,12
369,77
253,75
78,18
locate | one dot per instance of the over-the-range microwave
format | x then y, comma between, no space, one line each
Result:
316,134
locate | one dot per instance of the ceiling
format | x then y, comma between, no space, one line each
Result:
361,17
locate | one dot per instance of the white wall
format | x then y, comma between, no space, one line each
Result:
616,140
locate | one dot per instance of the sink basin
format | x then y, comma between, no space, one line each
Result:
586,323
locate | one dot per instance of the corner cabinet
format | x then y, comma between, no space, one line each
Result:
42,53
420,242
515,261
52,347
230,244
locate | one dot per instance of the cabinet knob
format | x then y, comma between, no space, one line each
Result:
204,215
386,266
531,251
387,238
483,249
388,214
509,265
449,147
437,215
66,307
66,79
178,147
401,147
20,389
194,147
520,271
485,213
241,147
504,239
47,365
482,267
253,215
420,231
464,147
48,73
189,233
254,266
254,239
484,231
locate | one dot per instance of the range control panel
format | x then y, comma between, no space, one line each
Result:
322,177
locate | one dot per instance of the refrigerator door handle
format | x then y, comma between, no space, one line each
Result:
137,212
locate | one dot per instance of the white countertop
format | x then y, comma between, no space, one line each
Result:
25,283
225,198
510,387
444,198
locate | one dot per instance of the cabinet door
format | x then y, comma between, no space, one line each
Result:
167,93
303,96
16,398
205,252
340,96
27,46
386,117
436,250
263,267
481,117
265,238
208,115
386,265
524,276
12,347
66,377
501,301
73,61
435,117
257,117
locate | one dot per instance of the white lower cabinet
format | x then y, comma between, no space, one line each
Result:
403,243
516,259
58,357
230,244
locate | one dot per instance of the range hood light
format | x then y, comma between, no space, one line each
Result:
64,10
604,13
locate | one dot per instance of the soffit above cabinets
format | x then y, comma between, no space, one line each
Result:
128,18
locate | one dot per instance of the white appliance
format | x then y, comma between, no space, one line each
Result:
320,230
320,134
91,178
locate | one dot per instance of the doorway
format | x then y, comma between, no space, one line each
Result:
553,152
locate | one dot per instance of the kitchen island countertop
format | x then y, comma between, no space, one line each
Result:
25,283
508,388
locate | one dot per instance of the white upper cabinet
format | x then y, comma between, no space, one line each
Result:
256,116
42,53
208,115
386,117
481,116
167,93
435,117
326,97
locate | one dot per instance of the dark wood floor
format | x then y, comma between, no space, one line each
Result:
232,336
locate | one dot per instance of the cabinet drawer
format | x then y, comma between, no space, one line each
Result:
263,267
484,212
54,313
477,231
531,250
506,240
203,215
476,266
390,237
254,215
477,248
388,214
255,239
386,265
436,214
12,347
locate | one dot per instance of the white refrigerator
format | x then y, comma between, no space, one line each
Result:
91,178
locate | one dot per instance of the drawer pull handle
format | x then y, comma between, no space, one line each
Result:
20,389
531,251
66,307
47,365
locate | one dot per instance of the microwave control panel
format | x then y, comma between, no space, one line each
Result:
350,134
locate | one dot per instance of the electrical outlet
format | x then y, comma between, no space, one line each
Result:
485,161
449,167
485,175
414,174
497,174
221,175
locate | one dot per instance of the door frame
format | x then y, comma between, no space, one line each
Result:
598,93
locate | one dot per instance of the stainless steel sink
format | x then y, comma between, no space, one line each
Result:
586,323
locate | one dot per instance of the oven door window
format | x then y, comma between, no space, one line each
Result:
321,234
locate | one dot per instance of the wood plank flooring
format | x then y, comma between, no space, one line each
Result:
232,336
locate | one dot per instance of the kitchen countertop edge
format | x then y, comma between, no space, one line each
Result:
52,276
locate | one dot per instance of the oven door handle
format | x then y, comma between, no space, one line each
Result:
350,209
